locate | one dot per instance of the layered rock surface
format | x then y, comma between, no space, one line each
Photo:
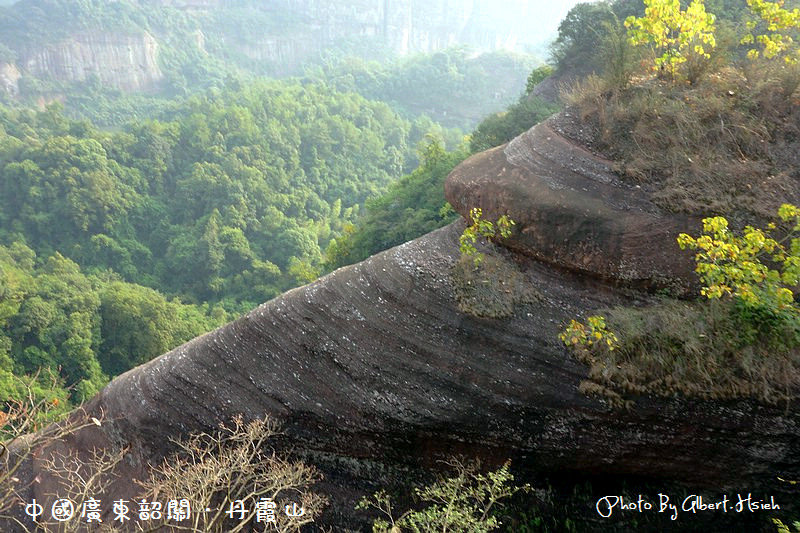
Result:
126,62
374,371
572,210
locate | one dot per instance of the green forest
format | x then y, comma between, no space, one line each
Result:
224,205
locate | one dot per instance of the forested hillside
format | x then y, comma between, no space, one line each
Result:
236,182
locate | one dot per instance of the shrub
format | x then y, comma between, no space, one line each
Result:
732,265
233,465
674,33
464,502
482,228
595,331
741,341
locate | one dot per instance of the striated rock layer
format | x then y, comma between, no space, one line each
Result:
126,62
571,210
375,372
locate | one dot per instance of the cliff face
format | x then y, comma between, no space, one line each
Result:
9,77
375,371
126,62
406,26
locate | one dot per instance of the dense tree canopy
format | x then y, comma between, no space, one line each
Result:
214,202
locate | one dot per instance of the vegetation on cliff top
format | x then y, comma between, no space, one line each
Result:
710,132
715,133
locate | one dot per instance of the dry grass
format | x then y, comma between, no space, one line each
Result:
491,290
708,349
727,145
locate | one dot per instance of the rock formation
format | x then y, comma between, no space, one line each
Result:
9,78
126,62
374,371
573,211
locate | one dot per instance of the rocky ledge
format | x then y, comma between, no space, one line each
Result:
572,211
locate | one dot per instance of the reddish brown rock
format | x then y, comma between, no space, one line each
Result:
572,211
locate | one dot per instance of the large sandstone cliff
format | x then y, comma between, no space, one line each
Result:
375,371
126,62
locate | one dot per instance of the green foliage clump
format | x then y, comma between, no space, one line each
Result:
139,324
62,326
482,228
464,502
581,36
538,75
732,265
675,33
593,332
777,24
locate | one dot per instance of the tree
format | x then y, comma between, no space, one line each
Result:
482,228
579,42
675,33
776,41
536,76
137,325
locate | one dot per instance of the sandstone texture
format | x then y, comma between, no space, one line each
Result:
125,62
571,210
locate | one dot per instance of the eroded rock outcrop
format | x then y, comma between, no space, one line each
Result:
9,78
571,210
374,371
126,62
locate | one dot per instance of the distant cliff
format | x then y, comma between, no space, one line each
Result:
124,44
127,62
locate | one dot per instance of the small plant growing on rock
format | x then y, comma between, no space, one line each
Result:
741,340
587,335
482,228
